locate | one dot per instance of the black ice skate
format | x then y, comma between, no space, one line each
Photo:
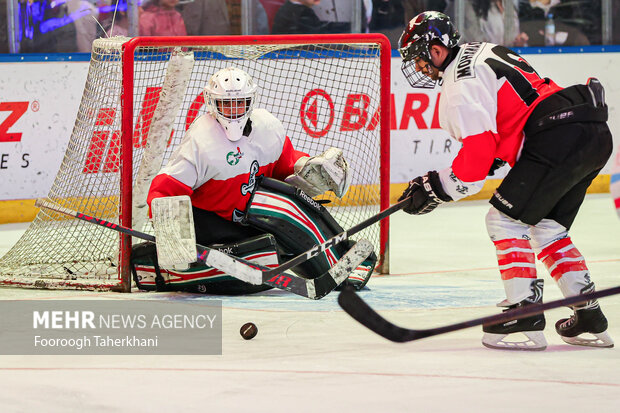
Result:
587,319
531,327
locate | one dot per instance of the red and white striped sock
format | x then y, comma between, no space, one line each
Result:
566,265
516,259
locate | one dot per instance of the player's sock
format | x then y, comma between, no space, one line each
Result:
588,325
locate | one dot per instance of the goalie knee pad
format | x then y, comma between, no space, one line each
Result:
200,278
297,221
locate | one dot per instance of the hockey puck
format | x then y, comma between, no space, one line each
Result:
248,331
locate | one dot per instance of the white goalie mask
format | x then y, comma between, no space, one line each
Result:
230,97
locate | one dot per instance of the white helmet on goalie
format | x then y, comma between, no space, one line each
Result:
230,96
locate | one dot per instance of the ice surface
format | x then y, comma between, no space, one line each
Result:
309,356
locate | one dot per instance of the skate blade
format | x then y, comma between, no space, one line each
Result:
535,341
602,340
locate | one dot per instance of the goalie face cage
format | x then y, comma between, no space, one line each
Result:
142,94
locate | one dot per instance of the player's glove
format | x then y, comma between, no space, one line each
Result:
425,193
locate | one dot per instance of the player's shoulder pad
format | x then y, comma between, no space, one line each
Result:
264,121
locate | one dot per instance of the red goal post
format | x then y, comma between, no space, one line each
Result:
142,94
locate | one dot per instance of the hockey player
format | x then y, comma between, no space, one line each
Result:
232,163
555,140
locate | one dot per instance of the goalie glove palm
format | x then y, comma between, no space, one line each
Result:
328,171
426,193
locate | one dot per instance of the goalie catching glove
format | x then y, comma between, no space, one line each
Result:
425,193
317,174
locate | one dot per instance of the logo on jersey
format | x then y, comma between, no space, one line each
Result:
460,188
249,186
233,157
465,65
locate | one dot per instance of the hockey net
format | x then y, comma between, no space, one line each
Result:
140,97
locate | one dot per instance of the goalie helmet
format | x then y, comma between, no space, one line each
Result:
416,40
230,96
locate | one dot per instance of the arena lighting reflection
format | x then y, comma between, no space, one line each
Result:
37,10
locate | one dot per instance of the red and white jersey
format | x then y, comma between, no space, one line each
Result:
487,95
219,175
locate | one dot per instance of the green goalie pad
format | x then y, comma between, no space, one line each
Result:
199,278
298,223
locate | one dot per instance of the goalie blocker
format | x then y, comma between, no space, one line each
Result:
288,221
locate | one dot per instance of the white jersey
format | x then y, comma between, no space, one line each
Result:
220,175
487,95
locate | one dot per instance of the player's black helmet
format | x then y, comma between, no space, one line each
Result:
416,40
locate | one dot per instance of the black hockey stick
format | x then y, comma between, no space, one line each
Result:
365,315
311,288
249,272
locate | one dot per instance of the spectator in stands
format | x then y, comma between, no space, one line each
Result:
572,19
206,17
161,18
485,22
388,17
83,13
297,17
415,7
615,16
4,39
46,27
117,22
260,21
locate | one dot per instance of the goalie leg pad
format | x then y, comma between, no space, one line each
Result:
199,278
298,223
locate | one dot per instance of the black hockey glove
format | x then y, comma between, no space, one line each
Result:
426,194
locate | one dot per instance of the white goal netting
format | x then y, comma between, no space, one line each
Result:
325,94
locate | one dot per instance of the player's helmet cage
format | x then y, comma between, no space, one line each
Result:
230,96
416,40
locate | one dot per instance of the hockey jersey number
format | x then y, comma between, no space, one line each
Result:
514,68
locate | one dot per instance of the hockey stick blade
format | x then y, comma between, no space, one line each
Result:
365,315
313,289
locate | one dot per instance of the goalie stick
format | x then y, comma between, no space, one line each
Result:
315,288
365,315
